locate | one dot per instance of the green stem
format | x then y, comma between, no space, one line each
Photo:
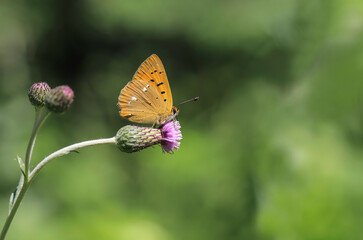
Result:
40,116
13,209
67,150
24,187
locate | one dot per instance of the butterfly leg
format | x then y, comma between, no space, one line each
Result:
154,123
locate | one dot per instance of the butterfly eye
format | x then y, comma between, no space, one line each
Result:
174,110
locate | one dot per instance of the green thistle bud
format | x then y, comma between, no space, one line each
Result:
59,99
37,93
134,138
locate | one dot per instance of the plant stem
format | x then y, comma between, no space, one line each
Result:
40,116
67,150
13,210
24,187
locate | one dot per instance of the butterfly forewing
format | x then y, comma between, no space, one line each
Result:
152,70
147,98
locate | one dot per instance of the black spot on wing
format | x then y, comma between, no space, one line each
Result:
162,92
159,84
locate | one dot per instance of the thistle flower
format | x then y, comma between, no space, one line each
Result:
135,138
171,136
37,93
59,99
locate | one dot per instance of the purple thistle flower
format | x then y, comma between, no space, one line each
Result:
135,138
171,136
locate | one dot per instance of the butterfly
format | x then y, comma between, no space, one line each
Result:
147,97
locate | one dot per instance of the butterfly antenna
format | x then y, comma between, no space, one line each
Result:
189,100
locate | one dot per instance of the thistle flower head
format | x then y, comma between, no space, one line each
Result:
135,138
37,93
59,99
171,136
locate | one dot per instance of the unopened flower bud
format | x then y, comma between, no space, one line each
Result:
37,93
134,138
59,99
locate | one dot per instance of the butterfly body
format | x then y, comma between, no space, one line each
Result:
147,97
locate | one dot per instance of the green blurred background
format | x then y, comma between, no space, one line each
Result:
273,149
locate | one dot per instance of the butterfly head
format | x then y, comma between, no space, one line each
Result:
174,111
167,117
171,116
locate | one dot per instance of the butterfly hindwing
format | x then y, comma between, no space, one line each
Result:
138,103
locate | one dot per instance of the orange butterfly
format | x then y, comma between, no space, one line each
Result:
147,97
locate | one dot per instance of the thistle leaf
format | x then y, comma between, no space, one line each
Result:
21,164
12,199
